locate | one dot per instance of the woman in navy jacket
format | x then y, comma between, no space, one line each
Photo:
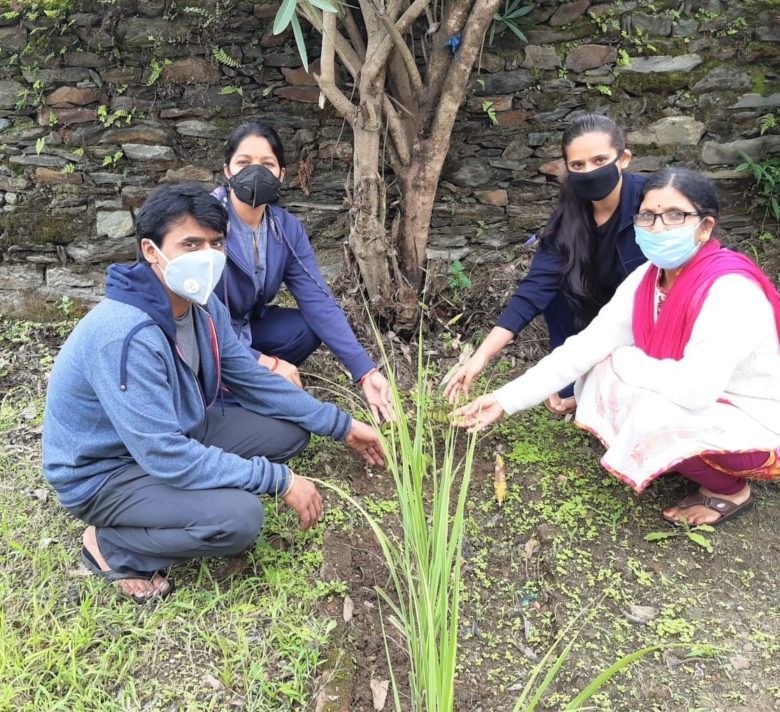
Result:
266,246
586,250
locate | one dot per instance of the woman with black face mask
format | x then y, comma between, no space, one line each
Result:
267,246
586,250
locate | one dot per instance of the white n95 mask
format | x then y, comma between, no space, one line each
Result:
193,275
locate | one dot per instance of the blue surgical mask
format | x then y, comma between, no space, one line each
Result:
193,275
669,249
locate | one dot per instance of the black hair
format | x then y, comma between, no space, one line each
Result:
571,229
692,184
255,128
170,204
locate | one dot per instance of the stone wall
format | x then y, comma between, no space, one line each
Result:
101,101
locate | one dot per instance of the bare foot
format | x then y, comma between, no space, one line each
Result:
699,514
560,406
134,587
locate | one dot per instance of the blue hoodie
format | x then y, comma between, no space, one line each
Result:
120,392
289,259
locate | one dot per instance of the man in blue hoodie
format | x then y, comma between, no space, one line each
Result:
130,442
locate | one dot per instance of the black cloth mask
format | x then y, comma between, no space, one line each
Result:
255,185
595,185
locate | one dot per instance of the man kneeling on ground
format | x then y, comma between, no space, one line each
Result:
131,444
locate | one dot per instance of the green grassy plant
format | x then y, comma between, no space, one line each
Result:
425,558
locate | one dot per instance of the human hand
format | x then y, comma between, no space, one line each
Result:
284,368
460,383
362,439
305,499
478,414
377,391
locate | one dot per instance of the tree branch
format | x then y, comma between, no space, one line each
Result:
402,48
454,87
348,56
327,78
441,57
353,32
377,59
397,133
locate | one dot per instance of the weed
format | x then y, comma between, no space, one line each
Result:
490,111
113,159
457,277
510,18
157,70
766,174
693,533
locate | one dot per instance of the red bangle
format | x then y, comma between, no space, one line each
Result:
276,363
366,375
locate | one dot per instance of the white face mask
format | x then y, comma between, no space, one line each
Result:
193,275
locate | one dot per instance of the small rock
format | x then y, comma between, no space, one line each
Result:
540,58
11,198
670,131
300,77
72,96
115,223
723,79
9,93
492,197
40,494
655,65
191,70
348,609
557,169
304,94
503,83
641,614
199,129
569,12
379,693
139,152
739,662
188,173
589,56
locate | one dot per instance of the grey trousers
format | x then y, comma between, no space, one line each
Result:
145,525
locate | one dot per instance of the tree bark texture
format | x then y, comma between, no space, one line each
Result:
401,116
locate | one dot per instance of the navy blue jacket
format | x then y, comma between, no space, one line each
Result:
290,259
540,291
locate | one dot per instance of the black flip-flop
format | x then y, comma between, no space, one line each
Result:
113,575
727,510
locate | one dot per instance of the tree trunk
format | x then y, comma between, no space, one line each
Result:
367,211
419,184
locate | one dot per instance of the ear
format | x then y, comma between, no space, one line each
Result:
625,159
281,175
705,229
226,171
149,253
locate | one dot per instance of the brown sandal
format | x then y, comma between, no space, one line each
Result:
726,509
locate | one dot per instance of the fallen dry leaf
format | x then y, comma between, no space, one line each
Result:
499,482
531,547
379,693
348,610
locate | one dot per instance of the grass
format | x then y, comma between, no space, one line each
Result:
250,632
250,638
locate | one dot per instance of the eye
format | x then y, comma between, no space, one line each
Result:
676,215
218,244
575,165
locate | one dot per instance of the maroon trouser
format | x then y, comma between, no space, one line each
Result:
736,464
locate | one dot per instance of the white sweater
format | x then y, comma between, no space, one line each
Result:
733,353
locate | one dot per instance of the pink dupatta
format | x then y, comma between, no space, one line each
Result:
667,336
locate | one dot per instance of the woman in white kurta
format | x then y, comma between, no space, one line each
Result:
681,369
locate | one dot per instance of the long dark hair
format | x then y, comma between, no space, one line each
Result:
254,128
692,184
571,229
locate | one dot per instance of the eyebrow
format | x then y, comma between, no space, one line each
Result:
200,238
262,157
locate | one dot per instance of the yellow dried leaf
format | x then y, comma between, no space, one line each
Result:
499,481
